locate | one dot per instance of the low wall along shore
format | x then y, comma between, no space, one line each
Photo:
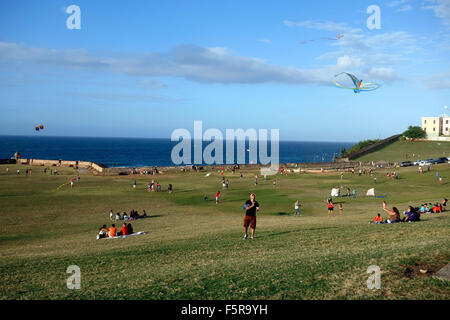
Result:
62,163
100,169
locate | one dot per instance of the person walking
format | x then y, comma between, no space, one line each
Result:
250,216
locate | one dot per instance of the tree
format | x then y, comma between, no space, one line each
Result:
415,133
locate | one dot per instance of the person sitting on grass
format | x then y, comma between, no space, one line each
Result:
410,215
129,229
378,219
125,216
118,217
103,232
444,205
394,214
112,231
134,214
423,209
124,230
144,214
437,208
430,208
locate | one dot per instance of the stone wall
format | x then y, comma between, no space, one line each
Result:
373,147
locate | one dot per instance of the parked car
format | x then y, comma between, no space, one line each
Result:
417,162
440,160
406,164
424,163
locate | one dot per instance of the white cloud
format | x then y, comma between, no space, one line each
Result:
441,9
348,62
198,64
194,63
268,41
386,74
438,81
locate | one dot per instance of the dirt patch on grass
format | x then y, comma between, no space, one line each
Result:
419,268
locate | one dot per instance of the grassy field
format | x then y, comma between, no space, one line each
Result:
194,249
404,150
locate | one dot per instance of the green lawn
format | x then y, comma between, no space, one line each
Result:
403,150
194,249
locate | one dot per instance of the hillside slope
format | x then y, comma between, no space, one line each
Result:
404,150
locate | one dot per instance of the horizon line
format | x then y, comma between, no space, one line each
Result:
154,138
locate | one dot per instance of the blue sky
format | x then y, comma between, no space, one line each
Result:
146,68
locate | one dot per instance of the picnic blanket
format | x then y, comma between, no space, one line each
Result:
128,235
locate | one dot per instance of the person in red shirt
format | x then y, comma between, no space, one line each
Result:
330,208
217,197
124,230
378,219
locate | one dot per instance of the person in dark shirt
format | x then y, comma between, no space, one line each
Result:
129,229
251,206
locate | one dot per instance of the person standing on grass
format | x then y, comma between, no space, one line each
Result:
437,175
330,208
217,196
250,216
256,180
170,188
111,215
341,209
297,208
134,184
354,193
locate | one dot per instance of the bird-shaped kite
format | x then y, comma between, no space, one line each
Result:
359,85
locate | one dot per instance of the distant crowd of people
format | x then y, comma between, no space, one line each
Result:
134,215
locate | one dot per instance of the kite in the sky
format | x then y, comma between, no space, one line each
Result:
339,36
39,127
358,85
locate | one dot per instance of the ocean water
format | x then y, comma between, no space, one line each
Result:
139,152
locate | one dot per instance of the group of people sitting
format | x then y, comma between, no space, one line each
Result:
132,216
411,214
436,208
105,232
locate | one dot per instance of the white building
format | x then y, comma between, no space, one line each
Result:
437,128
432,126
446,126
